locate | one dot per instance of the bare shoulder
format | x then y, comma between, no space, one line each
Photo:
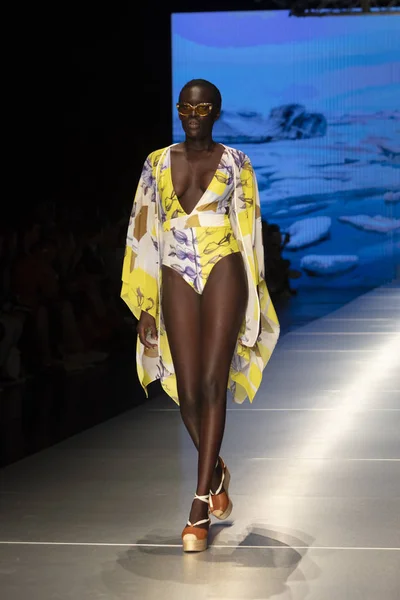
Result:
178,148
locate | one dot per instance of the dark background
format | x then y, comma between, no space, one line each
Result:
100,85
94,97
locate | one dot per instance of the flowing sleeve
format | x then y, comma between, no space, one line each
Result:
140,270
253,208
258,246
269,331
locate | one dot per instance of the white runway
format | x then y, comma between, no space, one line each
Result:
315,465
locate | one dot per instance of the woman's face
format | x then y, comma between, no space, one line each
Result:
197,127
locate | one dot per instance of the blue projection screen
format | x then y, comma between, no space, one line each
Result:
314,102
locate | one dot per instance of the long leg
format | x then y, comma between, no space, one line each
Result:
223,308
181,312
181,307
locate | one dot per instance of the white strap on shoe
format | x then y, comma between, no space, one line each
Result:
198,522
219,487
205,499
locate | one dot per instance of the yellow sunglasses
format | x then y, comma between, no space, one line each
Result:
201,110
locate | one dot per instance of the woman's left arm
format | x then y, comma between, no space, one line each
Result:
252,200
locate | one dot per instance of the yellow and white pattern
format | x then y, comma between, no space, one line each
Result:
231,201
194,243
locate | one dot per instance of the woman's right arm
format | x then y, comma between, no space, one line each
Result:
140,269
146,328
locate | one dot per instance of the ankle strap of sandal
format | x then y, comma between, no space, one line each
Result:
202,522
205,499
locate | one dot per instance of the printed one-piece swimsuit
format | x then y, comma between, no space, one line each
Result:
194,243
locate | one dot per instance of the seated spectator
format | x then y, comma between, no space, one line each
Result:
277,269
11,320
60,280
36,287
11,327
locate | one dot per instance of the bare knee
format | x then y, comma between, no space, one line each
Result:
213,389
189,399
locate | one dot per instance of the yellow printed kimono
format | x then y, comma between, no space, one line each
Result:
141,274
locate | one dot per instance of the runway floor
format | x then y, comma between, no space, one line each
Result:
315,465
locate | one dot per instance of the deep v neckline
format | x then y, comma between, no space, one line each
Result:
175,195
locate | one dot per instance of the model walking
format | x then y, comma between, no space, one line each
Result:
193,277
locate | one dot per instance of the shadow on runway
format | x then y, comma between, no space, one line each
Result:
227,568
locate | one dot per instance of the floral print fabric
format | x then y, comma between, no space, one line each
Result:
193,243
227,218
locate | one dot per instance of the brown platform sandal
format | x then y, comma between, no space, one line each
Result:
194,538
220,503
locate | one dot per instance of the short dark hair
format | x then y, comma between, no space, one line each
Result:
217,98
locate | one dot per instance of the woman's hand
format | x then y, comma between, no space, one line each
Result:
147,328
